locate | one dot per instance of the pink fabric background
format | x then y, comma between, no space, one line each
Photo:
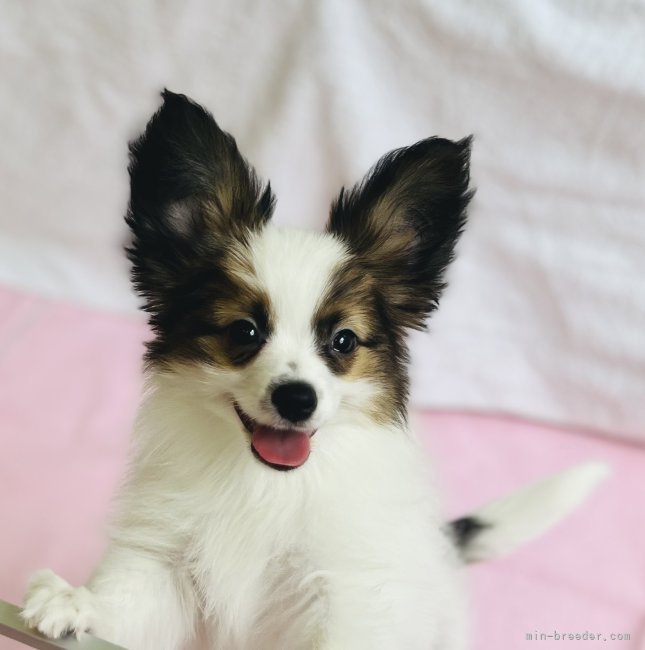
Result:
70,382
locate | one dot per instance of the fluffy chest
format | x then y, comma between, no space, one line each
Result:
258,585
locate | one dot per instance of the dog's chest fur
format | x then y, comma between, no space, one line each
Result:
266,554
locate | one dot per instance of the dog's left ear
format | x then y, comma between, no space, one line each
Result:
403,220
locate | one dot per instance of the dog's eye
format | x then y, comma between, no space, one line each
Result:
344,342
244,332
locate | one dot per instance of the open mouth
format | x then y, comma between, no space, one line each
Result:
281,449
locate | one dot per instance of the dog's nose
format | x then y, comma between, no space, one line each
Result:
295,401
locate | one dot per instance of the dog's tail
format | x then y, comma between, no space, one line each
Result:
502,525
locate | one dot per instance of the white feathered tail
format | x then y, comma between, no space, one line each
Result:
506,523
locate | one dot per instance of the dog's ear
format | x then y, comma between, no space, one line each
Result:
403,220
190,192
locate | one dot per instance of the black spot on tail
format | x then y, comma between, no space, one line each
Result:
465,529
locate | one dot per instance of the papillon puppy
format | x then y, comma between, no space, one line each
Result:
275,498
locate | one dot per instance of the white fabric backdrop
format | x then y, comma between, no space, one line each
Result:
545,315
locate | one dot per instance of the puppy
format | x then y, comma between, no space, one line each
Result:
276,499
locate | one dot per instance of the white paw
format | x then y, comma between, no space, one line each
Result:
55,608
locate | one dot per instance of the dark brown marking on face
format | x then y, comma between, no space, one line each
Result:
400,225
198,321
354,301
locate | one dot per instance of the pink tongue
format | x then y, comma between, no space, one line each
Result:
281,446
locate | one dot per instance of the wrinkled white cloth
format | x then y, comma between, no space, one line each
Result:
545,314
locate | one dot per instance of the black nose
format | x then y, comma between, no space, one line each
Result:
295,401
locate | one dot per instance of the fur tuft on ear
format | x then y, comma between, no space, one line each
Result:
190,191
403,220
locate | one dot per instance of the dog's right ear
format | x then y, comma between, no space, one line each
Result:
190,192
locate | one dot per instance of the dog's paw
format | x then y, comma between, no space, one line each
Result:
55,608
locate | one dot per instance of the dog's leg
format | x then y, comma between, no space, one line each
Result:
384,637
339,639
382,614
132,600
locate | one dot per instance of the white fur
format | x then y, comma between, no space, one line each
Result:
294,268
211,547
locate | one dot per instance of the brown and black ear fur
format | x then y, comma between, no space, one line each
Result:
402,222
191,192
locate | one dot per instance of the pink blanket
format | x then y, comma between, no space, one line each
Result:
70,384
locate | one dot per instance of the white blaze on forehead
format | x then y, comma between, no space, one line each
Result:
295,268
